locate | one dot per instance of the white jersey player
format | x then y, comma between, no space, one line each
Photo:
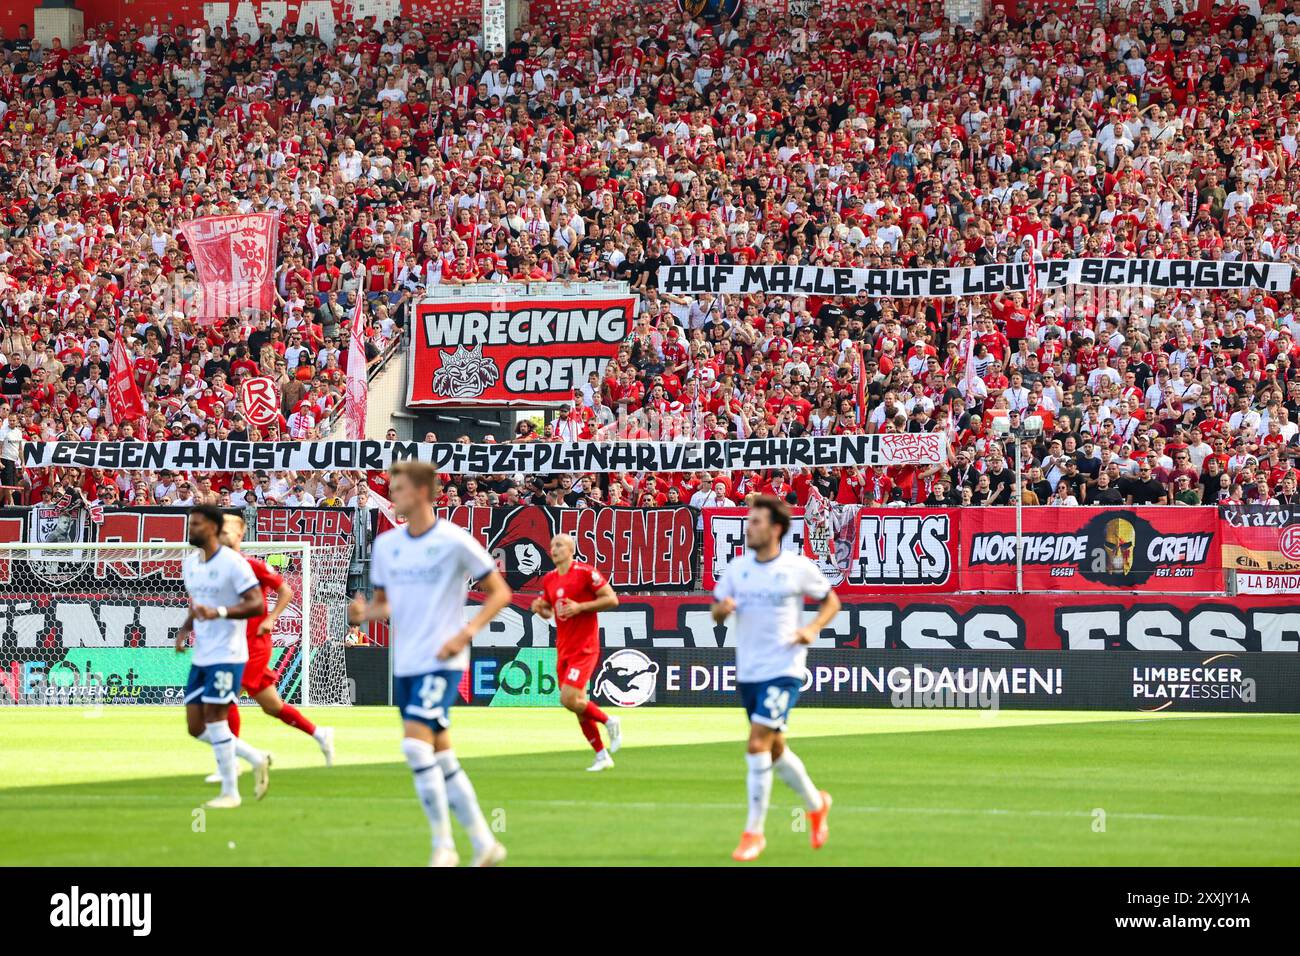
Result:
420,574
223,593
765,588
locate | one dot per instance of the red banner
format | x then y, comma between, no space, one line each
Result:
524,352
235,259
1093,549
648,548
323,527
860,550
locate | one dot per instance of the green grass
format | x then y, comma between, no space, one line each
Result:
121,787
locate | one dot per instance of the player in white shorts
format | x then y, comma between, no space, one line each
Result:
420,573
223,593
765,588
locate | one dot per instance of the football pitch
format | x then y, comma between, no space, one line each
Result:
122,787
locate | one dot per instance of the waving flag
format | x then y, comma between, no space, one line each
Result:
124,400
358,388
968,355
235,259
862,386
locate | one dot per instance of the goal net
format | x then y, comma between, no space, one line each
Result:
96,623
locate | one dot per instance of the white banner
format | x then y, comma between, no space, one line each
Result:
1267,582
974,280
494,27
490,459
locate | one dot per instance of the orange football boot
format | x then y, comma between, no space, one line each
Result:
751,845
818,827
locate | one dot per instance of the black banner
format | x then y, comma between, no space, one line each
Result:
922,679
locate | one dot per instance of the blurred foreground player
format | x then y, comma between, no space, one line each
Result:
223,593
575,593
421,572
765,588
259,679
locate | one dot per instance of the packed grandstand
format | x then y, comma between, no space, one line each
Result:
402,156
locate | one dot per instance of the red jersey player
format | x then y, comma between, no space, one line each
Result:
575,593
259,679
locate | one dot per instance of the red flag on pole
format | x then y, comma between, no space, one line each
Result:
235,259
862,386
124,400
358,387
968,356
1034,296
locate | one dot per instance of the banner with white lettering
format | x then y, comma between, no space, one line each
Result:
861,551
1092,549
831,451
516,352
651,549
974,280
1087,625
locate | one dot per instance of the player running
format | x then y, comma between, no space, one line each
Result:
575,593
420,573
223,593
259,679
765,588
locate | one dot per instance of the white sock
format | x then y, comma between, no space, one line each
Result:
250,753
223,748
203,738
464,802
791,770
319,735
758,780
430,788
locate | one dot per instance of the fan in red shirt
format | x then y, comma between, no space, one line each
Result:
575,593
259,680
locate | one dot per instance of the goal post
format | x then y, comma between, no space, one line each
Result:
96,622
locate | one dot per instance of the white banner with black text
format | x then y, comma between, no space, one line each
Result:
1174,274
489,459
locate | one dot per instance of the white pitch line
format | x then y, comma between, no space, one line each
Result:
731,807
926,811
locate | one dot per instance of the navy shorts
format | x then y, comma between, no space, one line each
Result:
769,702
427,698
214,683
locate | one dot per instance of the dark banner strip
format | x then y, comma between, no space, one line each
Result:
911,679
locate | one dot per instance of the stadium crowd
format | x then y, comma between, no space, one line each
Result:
403,156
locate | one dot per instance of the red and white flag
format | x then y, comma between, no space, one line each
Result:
358,387
862,386
235,259
124,399
1034,298
260,397
968,356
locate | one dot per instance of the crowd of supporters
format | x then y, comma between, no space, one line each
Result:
403,156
